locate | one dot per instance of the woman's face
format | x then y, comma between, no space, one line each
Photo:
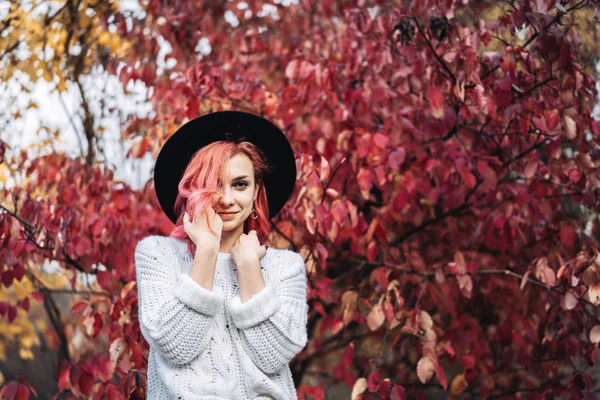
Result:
237,194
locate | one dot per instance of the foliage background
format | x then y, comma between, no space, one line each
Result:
447,198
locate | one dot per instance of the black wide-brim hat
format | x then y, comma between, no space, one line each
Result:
234,126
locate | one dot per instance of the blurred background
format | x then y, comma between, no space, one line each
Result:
447,198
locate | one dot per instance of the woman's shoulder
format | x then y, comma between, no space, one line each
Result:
156,243
286,257
286,253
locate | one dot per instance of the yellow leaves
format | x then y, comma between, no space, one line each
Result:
62,84
50,41
29,341
459,384
25,354
54,281
4,173
38,192
22,332
23,288
110,41
47,76
4,295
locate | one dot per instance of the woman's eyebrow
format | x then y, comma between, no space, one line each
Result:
240,178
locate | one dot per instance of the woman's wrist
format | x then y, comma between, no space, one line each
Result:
206,252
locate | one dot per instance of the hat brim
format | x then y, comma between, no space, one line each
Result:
226,125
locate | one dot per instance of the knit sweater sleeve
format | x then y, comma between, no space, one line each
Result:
175,313
272,322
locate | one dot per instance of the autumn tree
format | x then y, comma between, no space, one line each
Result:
446,205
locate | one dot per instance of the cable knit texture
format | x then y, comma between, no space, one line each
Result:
207,344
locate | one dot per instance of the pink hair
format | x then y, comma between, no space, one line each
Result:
200,182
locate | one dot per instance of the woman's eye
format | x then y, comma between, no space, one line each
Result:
242,183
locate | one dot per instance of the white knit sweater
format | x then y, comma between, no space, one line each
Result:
208,344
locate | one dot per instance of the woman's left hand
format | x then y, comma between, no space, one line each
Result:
247,250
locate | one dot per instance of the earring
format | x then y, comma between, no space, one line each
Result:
255,213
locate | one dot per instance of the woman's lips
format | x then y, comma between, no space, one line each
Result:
227,215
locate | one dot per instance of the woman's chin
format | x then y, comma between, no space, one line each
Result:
229,225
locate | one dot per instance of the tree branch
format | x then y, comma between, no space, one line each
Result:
430,275
439,59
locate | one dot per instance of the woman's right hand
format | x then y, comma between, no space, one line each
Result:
197,229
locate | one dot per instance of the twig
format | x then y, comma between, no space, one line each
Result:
534,36
520,95
443,64
430,275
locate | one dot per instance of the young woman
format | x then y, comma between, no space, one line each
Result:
223,314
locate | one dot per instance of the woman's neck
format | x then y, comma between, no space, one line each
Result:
228,240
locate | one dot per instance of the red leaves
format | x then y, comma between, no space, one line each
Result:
8,310
398,393
468,177
16,391
192,108
93,323
299,69
24,304
121,199
490,178
7,277
551,120
64,371
372,251
140,147
79,307
82,246
396,158
374,381
79,378
436,98
365,179
105,368
567,236
316,393
348,355
104,279
86,379
38,296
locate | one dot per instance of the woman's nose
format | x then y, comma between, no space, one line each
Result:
225,196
